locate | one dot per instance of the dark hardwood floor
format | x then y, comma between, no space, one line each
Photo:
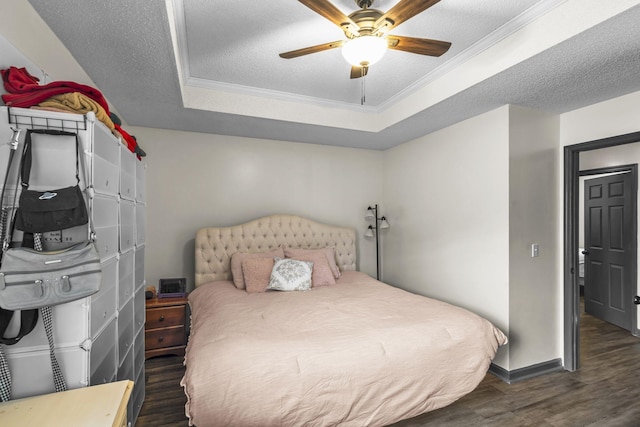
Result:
604,392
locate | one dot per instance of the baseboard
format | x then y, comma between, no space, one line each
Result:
527,372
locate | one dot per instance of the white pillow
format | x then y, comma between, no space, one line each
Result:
290,275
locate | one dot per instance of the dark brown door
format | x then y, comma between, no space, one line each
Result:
610,256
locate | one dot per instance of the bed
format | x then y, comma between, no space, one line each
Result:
354,353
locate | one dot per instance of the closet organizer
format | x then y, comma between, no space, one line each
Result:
98,339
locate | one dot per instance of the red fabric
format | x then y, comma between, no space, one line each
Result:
16,80
24,90
128,139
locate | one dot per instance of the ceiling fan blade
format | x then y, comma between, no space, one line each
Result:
333,14
357,72
403,10
311,49
419,46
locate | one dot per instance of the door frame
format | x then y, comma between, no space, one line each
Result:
632,169
571,223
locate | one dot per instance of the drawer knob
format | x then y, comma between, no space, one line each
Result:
161,318
160,339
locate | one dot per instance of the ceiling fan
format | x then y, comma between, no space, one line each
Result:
367,33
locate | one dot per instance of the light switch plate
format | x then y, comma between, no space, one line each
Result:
535,250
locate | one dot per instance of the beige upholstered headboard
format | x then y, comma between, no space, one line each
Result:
215,245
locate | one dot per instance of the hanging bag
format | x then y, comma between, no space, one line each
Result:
28,318
52,210
31,278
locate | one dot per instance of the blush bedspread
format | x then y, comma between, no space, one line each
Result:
358,353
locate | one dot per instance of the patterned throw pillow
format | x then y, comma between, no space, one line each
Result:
290,275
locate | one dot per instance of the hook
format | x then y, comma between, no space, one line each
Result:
15,138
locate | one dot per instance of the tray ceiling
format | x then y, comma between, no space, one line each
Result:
213,66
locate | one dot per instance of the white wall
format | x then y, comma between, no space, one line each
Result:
447,198
198,180
466,203
535,310
615,117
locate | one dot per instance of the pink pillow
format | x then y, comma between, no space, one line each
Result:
236,263
257,273
321,274
329,253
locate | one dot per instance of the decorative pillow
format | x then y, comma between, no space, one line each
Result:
329,252
290,275
236,263
322,274
257,273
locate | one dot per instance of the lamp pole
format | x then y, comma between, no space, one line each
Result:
372,213
377,244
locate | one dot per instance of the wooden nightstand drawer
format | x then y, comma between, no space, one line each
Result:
165,317
165,329
165,337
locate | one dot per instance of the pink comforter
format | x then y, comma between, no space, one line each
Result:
358,353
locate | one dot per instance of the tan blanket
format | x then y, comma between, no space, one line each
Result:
76,102
358,353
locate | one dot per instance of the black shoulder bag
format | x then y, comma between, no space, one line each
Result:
51,210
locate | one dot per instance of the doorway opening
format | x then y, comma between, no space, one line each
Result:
608,243
571,223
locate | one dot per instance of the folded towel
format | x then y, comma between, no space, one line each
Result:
75,102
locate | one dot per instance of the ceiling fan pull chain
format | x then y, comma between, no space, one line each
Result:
362,96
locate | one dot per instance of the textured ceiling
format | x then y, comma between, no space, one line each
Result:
242,48
213,66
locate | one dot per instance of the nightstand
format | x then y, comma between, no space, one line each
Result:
165,327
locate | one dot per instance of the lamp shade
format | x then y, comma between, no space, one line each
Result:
364,50
369,232
384,223
370,213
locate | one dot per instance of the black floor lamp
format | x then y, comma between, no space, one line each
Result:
379,223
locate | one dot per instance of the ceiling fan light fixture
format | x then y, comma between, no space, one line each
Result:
364,50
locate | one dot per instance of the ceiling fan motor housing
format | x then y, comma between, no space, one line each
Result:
365,19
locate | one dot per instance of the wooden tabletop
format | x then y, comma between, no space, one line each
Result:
102,405
165,302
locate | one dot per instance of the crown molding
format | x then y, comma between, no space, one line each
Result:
520,21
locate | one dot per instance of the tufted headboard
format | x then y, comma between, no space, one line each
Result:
215,245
